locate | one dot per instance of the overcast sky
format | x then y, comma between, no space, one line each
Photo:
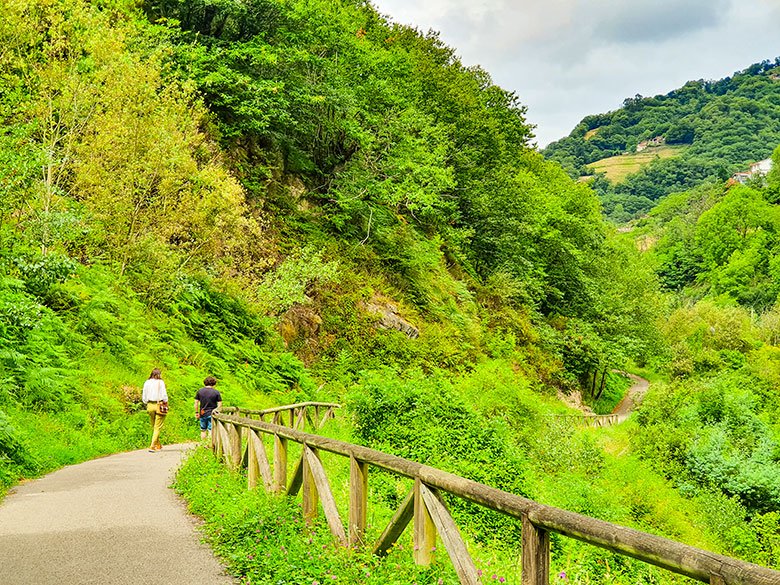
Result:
569,58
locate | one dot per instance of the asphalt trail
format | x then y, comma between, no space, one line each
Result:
110,521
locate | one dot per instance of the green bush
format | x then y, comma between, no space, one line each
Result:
14,456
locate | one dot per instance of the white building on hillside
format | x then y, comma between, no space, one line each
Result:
757,169
653,142
761,167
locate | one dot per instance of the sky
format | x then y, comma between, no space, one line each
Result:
566,59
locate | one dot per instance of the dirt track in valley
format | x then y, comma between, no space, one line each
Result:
634,396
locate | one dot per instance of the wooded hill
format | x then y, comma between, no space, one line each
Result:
311,202
723,125
239,170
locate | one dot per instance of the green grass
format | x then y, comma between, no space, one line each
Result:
262,538
617,168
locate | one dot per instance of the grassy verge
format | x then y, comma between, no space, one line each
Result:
262,539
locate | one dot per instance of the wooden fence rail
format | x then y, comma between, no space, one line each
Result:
426,509
316,413
592,420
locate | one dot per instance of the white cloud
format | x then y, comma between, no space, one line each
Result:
569,58
625,22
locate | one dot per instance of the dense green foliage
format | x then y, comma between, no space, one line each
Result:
256,189
714,428
726,124
178,192
719,240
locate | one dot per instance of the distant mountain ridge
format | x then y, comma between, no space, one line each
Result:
724,125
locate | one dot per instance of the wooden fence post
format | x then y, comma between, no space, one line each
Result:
224,441
280,464
325,494
253,468
424,529
450,536
235,446
215,436
258,465
310,499
536,554
358,500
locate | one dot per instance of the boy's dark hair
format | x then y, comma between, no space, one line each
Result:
210,381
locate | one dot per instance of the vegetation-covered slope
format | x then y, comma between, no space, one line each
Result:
299,162
254,190
719,240
724,124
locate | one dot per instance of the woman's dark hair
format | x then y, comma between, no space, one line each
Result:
210,381
156,374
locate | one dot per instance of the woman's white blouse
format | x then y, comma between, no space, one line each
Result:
154,390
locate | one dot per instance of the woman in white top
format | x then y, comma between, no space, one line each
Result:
154,393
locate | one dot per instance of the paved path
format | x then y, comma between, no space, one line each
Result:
110,521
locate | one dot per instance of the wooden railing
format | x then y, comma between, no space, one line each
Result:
592,420
425,507
316,413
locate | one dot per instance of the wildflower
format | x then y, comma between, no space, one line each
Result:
562,575
501,579
494,577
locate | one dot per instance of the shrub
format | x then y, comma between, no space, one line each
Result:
289,283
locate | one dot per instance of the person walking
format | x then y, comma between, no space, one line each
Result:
155,398
207,400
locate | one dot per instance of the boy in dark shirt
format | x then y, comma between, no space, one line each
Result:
207,400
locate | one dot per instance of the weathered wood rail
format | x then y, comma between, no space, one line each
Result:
592,420
316,413
426,509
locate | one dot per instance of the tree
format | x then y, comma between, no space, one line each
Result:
680,133
773,178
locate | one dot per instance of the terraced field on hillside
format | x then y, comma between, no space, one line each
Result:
617,168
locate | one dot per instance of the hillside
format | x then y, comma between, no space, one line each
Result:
725,124
261,196
312,202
